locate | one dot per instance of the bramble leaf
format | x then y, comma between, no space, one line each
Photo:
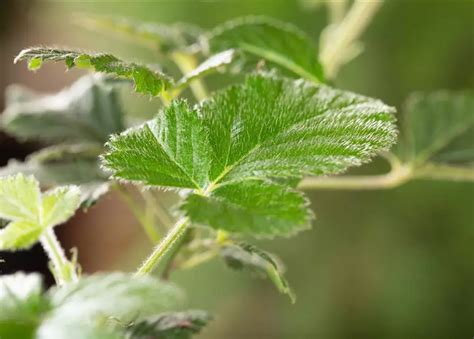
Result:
20,198
88,111
65,165
31,212
439,127
253,207
178,325
280,44
245,256
147,81
246,139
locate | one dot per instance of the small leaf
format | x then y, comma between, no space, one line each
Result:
88,111
246,138
30,212
34,64
281,44
245,256
147,81
59,204
21,234
22,305
439,127
178,325
20,198
166,37
65,165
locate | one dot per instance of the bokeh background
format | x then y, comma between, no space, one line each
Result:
377,264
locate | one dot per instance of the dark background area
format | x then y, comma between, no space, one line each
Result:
380,264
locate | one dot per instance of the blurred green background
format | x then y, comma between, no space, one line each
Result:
379,264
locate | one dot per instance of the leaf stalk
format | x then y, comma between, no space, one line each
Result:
63,270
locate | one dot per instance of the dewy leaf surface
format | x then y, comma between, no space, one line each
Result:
439,127
280,44
88,111
31,212
147,81
235,148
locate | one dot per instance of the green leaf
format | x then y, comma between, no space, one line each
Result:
170,150
20,198
439,127
96,307
22,305
88,111
101,298
177,325
65,165
31,212
165,37
147,81
253,207
245,256
233,149
281,44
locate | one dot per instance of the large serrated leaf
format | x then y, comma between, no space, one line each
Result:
147,81
280,44
246,136
253,207
31,212
88,111
439,127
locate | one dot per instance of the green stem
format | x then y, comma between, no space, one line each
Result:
162,249
343,36
63,270
396,177
187,63
143,218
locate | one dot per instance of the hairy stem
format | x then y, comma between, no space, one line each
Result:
397,176
164,247
142,217
63,270
187,63
343,35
